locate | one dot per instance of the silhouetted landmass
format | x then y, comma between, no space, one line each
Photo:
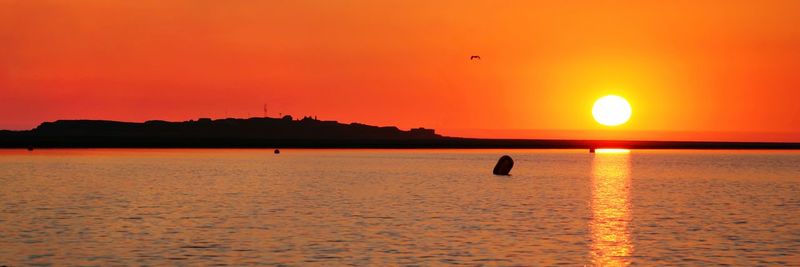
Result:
253,132
304,133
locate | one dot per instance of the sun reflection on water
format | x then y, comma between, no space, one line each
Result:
611,213
613,151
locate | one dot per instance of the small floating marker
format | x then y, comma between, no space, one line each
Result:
503,166
30,148
277,151
591,150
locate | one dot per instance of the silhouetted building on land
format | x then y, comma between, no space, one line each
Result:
423,131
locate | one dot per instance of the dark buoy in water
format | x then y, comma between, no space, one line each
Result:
30,148
591,150
503,166
277,151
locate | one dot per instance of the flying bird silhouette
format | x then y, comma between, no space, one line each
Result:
475,57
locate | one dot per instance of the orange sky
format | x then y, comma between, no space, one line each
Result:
711,70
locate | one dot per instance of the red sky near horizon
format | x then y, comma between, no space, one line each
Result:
692,70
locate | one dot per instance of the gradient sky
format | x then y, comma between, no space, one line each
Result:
710,70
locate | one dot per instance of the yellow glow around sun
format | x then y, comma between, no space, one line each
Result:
611,110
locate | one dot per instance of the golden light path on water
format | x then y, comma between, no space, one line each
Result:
611,212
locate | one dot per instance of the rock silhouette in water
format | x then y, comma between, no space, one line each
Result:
277,151
503,166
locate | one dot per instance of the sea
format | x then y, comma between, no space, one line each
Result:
403,207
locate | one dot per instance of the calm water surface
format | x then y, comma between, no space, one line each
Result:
398,207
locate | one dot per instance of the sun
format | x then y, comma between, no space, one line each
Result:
611,110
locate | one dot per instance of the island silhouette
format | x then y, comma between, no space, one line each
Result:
307,132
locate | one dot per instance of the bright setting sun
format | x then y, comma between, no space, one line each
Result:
611,110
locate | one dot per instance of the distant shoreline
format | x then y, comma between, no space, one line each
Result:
307,132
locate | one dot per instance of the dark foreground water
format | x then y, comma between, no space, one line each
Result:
398,207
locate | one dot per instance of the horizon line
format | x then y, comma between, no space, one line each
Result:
529,133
